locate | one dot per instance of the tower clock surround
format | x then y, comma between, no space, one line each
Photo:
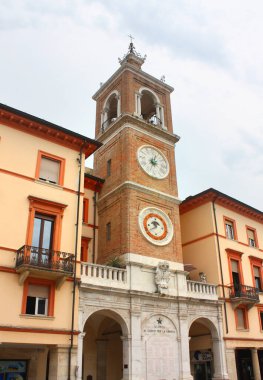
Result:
156,226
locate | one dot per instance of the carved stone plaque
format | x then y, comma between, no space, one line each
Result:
160,348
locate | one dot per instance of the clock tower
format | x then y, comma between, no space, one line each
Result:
138,206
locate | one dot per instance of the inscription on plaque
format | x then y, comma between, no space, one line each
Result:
161,349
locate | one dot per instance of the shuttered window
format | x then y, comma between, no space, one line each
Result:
37,300
49,170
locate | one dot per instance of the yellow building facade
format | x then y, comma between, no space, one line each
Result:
42,193
222,239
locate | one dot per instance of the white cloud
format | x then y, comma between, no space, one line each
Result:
55,54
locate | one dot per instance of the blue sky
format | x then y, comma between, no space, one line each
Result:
54,54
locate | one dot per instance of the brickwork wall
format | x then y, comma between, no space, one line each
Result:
122,151
122,211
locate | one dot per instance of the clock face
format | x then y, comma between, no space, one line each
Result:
153,162
156,226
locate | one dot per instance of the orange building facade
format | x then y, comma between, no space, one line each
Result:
40,239
223,239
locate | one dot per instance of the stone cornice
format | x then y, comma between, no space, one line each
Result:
135,122
128,67
143,189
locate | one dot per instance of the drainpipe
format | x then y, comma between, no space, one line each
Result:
220,265
75,264
94,226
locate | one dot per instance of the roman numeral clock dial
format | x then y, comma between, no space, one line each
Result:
153,162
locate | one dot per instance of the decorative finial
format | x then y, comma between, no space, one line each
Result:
132,55
163,78
131,46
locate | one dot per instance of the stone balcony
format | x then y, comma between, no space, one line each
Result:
143,279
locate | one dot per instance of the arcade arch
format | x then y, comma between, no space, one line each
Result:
206,350
105,351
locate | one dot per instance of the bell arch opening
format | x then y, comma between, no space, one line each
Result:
148,107
111,110
104,348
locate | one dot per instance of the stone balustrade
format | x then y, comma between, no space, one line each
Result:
201,290
126,279
103,275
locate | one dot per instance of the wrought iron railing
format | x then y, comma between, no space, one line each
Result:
244,291
107,123
45,258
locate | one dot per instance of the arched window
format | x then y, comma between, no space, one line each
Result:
111,110
148,107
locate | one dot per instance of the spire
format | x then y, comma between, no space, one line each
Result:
132,56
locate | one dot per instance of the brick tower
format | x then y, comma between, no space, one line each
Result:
138,205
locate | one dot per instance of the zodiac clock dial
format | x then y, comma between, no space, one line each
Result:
156,226
153,162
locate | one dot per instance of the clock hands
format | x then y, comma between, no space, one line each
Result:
155,225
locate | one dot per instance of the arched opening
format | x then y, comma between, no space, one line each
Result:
201,350
111,110
149,108
103,347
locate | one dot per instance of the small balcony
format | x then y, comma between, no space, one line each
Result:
243,295
44,262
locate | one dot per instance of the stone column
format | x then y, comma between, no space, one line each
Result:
185,372
220,371
138,104
118,105
136,346
157,108
101,359
41,363
126,357
255,362
80,356
231,363
162,117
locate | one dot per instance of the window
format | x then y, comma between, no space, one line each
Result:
85,215
260,315
50,168
252,237
84,253
37,300
235,271
38,297
108,168
256,268
230,228
241,318
235,276
108,231
42,239
257,277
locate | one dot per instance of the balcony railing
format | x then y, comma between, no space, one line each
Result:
41,258
197,289
244,292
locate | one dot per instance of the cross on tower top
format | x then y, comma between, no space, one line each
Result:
131,46
131,37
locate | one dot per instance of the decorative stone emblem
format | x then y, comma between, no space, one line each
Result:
162,277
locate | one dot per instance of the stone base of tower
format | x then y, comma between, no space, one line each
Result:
143,322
